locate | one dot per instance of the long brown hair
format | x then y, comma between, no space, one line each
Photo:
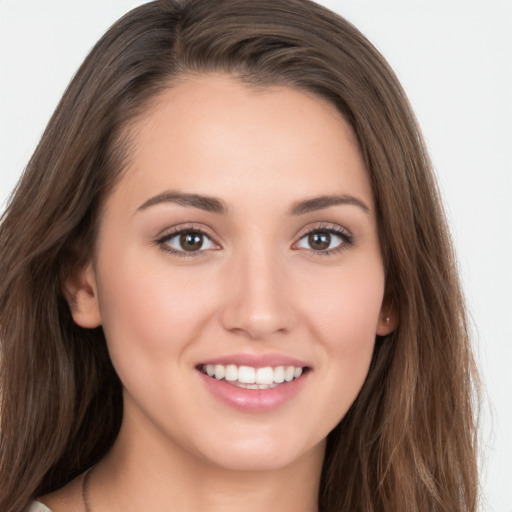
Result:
408,441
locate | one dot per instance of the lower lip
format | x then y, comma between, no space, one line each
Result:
254,400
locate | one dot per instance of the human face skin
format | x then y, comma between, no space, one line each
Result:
253,291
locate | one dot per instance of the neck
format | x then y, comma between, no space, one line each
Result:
144,473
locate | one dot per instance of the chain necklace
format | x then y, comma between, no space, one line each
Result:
85,490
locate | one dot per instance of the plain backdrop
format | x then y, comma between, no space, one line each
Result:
454,60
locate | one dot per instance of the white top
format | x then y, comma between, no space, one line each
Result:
36,506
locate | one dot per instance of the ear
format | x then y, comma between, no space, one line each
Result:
388,319
81,294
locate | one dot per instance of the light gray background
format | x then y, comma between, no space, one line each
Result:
454,60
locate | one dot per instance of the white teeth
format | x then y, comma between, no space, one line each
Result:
288,373
220,371
246,375
279,374
254,386
253,378
265,375
231,372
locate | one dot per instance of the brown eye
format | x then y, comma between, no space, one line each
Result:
187,241
325,240
319,240
191,241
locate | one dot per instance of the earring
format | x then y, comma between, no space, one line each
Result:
387,319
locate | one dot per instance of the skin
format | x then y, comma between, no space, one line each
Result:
256,286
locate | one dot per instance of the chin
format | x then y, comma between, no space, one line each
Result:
263,454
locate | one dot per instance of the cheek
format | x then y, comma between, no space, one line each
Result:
344,305
151,318
343,315
149,310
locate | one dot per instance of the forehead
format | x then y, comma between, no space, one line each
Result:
213,135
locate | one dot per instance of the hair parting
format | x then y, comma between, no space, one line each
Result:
409,440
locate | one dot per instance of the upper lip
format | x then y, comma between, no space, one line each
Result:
256,360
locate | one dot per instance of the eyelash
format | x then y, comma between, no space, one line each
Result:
344,234
163,241
331,229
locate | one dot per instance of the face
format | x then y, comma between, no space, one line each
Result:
238,275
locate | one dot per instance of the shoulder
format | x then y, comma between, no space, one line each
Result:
36,506
67,499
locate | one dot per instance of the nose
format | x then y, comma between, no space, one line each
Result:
259,301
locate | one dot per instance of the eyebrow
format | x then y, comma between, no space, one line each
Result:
210,204
214,205
321,202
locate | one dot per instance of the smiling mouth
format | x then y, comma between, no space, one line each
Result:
249,377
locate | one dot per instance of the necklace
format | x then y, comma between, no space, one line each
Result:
85,490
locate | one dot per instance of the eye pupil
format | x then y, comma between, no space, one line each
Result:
191,241
319,240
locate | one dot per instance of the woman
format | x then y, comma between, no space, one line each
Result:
227,280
